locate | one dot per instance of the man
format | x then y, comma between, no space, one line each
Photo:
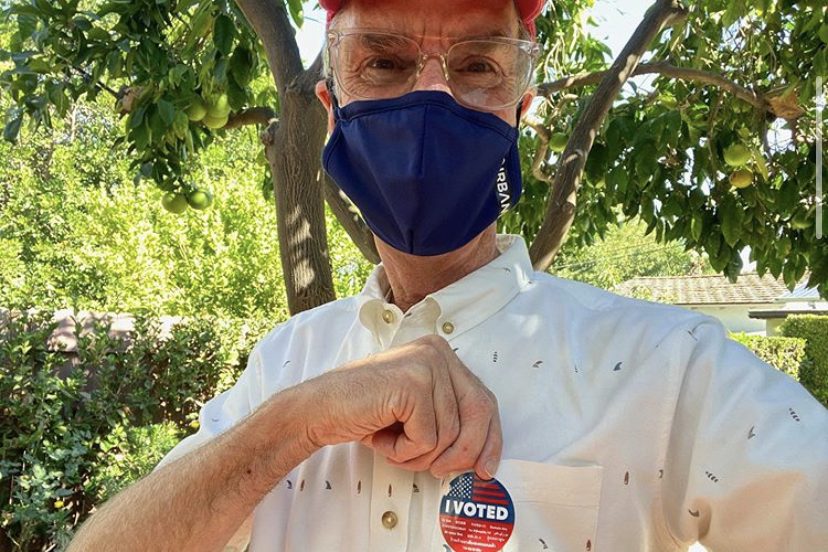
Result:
607,423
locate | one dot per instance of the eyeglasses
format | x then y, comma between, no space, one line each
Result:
486,74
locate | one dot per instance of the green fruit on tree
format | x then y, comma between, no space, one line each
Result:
737,155
197,110
741,178
174,203
215,122
200,199
220,108
558,142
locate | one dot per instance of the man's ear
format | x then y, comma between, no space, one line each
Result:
526,102
325,97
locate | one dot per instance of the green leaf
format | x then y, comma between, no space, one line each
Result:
167,112
696,225
731,221
223,34
295,7
13,128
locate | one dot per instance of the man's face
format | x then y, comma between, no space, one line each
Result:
435,25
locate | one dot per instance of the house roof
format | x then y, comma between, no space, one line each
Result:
800,293
716,289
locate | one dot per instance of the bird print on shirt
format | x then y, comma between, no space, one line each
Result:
617,367
589,545
545,546
327,485
793,414
627,478
751,433
537,364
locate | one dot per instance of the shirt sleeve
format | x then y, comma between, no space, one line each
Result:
746,466
224,410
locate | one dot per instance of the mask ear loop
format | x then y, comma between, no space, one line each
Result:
329,84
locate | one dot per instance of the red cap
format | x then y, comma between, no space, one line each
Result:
528,9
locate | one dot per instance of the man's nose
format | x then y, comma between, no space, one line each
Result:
432,76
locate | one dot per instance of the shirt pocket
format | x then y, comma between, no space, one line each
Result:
556,506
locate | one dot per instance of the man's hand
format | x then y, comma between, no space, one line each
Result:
417,405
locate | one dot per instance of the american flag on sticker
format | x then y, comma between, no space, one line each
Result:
470,487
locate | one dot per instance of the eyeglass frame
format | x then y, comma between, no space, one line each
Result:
530,47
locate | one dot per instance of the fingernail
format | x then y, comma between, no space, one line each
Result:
491,468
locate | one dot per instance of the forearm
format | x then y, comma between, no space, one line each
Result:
198,501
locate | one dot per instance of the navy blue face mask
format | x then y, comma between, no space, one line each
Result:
427,174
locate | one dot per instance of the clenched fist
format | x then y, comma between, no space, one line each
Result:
417,405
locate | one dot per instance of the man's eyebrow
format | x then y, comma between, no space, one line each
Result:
498,32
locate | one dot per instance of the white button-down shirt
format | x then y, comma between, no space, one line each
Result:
627,425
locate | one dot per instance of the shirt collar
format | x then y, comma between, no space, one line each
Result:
467,302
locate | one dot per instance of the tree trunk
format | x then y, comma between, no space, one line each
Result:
293,155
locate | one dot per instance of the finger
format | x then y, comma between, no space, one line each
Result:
417,436
447,418
489,459
475,418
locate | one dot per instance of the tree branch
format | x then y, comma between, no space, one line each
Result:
251,116
350,220
269,19
757,100
560,209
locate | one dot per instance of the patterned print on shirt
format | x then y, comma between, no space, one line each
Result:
389,491
660,474
327,485
302,486
494,357
617,367
359,486
589,545
627,478
545,547
415,488
751,434
694,514
711,477
793,414
289,484
537,364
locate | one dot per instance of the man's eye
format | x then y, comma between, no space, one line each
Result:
477,66
383,64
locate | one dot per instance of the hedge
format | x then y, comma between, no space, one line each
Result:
76,429
814,372
783,353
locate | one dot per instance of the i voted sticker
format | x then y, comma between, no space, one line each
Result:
476,515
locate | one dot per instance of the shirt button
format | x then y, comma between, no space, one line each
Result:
387,316
389,520
448,327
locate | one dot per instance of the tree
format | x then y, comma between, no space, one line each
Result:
690,155
624,253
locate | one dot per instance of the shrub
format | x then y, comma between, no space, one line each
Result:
786,354
814,372
77,428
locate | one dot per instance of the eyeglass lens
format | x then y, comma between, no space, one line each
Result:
484,73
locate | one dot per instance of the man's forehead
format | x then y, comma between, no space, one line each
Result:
446,18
